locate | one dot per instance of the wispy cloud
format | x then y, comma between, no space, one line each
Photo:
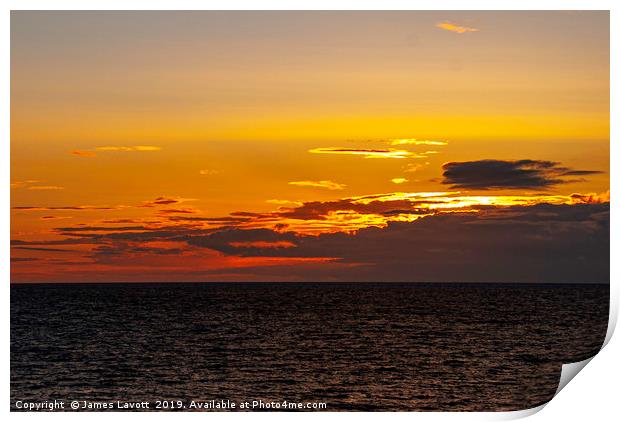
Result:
448,26
17,184
88,153
45,188
65,208
413,141
283,202
188,210
53,217
412,168
327,184
367,153
83,153
129,148
33,185
30,248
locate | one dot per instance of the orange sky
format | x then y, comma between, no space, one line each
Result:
296,123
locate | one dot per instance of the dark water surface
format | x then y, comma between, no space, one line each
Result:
352,346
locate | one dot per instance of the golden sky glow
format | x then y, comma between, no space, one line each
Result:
126,123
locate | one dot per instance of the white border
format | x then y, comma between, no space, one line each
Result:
592,396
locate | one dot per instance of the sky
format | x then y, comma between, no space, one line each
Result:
309,146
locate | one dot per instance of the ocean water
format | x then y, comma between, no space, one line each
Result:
396,347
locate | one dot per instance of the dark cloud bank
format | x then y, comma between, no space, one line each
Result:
501,174
538,243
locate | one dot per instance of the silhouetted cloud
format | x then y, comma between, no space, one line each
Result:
162,200
24,259
30,248
540,243
68,230
590,198
504,174
394,236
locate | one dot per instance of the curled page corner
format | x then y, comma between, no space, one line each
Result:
519,414
569,371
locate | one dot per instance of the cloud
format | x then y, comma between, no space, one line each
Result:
317,210
24,259
134,148
503,174
590,198
67,230
548,243
367,152
64,208
451,238
263,245
412,168
45,188
399,180
283,202
162,200
327,184
455,28
140,148
29,248
33,185
23,183
53,217
413,141
177,211
121,221
83,153
208,172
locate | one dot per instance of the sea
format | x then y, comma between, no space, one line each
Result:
349,346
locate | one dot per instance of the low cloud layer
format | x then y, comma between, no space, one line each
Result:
505,174
521,243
